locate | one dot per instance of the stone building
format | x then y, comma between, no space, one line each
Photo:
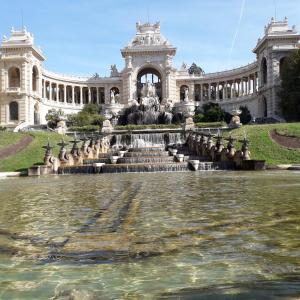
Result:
28,91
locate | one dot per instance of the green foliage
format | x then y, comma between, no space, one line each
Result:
213,112
199,117
89,115
210,124
91,109
85,128
245,116
2,128
53,116
290,92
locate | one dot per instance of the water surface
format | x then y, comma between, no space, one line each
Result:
193,235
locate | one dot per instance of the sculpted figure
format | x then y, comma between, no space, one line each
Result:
112,97
186,95
104,145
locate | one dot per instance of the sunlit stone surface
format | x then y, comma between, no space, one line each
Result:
147,236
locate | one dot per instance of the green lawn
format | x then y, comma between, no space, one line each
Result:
8,138
263,147
33,154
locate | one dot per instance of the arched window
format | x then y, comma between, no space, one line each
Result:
34,78
281,66
13,111
264,71
14,78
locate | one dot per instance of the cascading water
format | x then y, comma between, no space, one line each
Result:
141,140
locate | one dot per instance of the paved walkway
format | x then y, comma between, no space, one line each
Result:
15,148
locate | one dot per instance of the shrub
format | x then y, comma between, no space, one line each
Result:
198,118
245,116
213,112
86,128
2,128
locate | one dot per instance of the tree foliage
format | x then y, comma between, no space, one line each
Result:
89,115
290,87
245,116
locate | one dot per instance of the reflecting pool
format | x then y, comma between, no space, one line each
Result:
193,235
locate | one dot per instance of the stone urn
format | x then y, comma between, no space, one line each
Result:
113,159
180,157
194,164
235,121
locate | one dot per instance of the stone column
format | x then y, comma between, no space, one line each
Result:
89,95
201,92
50,90
44,86
73,95
106,94
97,91
57,94
231,89
209,91
217,91
65,93
192,92
81,96
249,85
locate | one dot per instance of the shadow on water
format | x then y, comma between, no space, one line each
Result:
285,288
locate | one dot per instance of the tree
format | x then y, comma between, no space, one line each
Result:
213,112
245,116
290,87
89,115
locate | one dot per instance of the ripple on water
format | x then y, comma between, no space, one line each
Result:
166,235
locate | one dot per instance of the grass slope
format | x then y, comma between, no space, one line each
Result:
262,146
8,138
33,154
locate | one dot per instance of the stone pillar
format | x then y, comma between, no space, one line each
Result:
209,91
97,91
242,87
217,91
65,93
192,92
201,92
81,96
89,95
50,90
106,94
231,89
249,86
73,95
44,86
57,94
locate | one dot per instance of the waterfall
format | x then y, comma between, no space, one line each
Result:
141,140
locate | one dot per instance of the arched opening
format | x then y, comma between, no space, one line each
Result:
264,71
14,78
152,77
183,92
114,94
281,66
34,78
265,107
13,111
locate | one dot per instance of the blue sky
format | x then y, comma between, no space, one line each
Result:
83,37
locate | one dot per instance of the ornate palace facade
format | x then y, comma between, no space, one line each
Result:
28,91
